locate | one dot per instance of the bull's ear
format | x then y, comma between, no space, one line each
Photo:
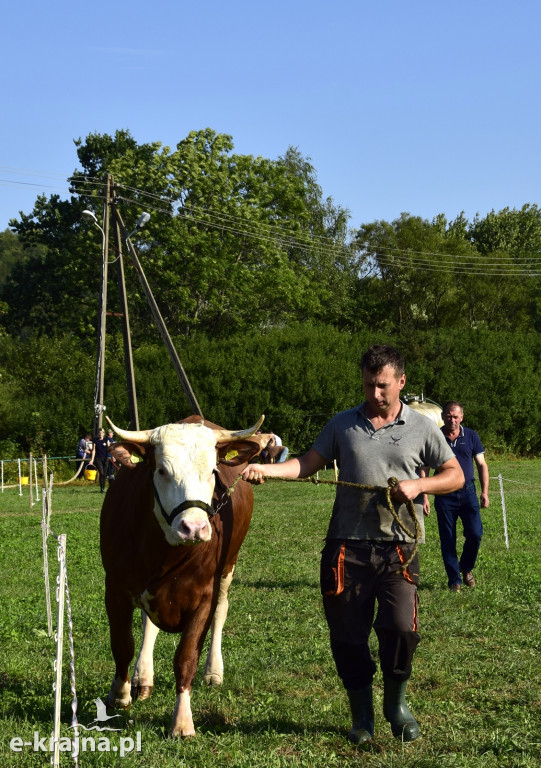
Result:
128,454
239,451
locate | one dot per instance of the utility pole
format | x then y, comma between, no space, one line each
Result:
126,333
121,234
158,318
100,361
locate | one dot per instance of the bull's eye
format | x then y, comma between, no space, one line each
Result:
161,471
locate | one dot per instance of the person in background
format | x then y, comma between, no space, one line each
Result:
462,503
364,559
84,450
275,452
99,456
283,450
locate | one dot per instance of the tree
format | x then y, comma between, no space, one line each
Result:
433,276
514,236
11,253
45,393
56,287
234,241
239,239
415,261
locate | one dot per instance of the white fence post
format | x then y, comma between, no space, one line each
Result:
504,514
44,536
60,596
30,480
36,481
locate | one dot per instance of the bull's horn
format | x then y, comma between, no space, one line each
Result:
224,435
141,436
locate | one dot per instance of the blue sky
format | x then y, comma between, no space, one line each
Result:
425,107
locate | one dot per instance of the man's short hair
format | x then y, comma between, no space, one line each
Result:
452,404
380,355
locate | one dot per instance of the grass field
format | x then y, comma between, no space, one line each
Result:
475,684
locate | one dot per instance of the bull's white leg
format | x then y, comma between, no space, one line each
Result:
119,696
142,680
214,666
182,716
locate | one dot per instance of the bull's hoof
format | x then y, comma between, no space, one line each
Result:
114,703
179,734
213,679
142,692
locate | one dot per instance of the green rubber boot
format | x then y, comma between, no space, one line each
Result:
362,712
395,709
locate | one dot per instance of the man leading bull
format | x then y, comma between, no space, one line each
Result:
363,561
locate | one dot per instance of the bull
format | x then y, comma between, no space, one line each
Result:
171,528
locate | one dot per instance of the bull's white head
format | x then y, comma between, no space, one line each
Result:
184,461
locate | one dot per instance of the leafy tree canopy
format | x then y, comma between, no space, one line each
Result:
232,240
436,274
270,298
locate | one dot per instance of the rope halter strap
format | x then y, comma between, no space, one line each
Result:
170,516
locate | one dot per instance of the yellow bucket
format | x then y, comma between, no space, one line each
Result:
24,480
90,474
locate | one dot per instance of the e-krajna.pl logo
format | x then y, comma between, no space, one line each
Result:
83,743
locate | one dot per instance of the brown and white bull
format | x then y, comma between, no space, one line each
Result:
169,535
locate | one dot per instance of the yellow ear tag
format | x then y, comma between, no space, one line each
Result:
231,455
135,458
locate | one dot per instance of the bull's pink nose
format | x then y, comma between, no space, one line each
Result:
194,530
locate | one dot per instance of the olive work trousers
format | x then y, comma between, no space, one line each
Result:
354,576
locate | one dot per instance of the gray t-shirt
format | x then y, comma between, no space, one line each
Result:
370,457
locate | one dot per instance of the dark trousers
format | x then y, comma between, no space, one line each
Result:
355,575
101,466
461,504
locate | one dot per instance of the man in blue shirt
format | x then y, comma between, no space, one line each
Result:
463,503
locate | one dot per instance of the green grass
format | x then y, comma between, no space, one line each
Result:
475,683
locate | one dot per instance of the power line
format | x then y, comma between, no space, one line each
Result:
469,258
456,264
480,264
284,236
28,184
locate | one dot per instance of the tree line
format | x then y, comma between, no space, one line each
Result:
269,294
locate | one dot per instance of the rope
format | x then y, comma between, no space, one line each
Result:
378,488
66,482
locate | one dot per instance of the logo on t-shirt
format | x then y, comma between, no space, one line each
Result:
395,440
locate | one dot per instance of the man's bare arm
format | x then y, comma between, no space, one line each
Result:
448,478
305,466
482,470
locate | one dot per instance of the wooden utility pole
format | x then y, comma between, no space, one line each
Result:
121,235
100,361
126,333
158,318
